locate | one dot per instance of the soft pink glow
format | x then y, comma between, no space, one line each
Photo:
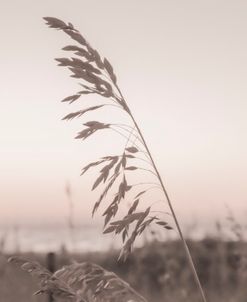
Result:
181,65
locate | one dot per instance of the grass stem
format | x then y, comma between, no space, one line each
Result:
186,248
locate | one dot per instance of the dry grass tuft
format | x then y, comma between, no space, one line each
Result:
80,282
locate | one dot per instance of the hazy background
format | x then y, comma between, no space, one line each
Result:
182,67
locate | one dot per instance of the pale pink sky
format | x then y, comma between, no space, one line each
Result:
181,65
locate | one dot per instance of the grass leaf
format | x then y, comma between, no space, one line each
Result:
132,149
131,168
110,71
98,181
79,113
71,98
56,23
133,207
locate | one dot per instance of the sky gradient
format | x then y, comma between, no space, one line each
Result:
182,67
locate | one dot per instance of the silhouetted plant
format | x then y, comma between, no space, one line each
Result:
98,77
80,282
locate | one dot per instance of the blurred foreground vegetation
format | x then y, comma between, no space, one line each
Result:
159,271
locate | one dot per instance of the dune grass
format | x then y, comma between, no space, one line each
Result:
97,77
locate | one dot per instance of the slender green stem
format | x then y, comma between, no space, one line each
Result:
161,212
157,185
148,170
144,160
134,144
187,251
129,131
128,140
125,136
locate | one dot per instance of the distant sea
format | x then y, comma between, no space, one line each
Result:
80,239
54,238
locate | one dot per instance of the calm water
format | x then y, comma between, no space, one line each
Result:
81,239
42,239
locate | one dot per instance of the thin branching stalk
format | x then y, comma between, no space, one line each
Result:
98,74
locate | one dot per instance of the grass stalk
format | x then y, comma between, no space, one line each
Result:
99,74
186,248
